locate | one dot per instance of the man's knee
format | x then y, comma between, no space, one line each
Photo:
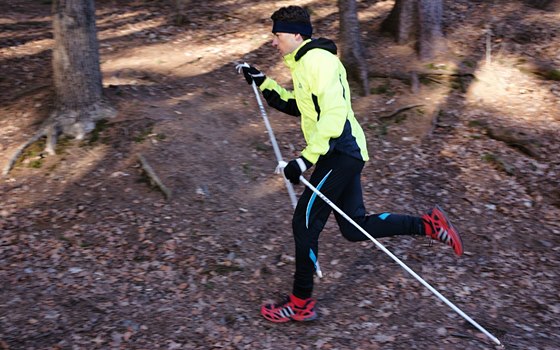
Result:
351,233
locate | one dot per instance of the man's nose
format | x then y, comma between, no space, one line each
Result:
274,42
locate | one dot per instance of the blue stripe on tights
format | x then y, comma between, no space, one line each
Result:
312,199
384,216
313,258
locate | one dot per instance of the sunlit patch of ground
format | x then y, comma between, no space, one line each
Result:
504,88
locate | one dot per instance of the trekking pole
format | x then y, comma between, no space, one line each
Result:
279,159
289,186
403,265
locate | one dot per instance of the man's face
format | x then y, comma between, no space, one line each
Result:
286,42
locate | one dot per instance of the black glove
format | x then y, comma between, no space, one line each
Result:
253,74
295,168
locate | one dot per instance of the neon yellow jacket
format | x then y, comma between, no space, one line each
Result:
321,96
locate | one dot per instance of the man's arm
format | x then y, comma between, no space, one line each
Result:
279,98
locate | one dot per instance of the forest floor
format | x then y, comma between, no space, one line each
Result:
93,257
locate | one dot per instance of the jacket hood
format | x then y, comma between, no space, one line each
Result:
320,43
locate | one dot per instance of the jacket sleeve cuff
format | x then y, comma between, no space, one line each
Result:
309,157
267,83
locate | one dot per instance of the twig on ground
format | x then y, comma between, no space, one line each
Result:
153,176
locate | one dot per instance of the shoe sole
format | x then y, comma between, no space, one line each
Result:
311,318
287,319
290,319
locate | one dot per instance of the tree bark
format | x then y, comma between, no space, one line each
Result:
418,20
76,70
352,52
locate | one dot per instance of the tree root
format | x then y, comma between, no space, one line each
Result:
514,138
400,110
153,176
12,160
72,122
408,78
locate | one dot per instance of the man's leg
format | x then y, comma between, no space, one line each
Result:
331,177
434,224
377,225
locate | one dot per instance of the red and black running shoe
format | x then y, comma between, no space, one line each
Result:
293,308
439,227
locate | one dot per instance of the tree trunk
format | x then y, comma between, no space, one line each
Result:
402,21
180,16
76,76
352,53
76,70
430,40
418,20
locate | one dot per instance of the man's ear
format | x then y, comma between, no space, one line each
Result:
299,38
